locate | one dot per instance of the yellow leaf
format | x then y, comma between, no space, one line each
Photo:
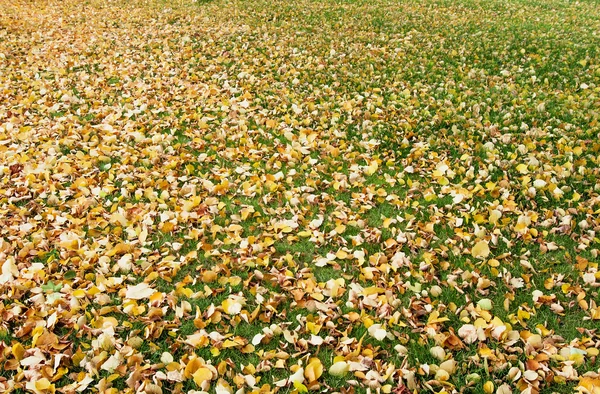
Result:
18,351
493,263
593,351
485,352
191,367
522,168
197,340
340,229
120,248
313,370
143,235
44,384
495,215
93,291
223,387
202,375
390,242
521,227
300,387
271,123
339,369
523,315
589,383
373,290
313,328
139,291
229,343
372,168
434,318
36,333
209,276
167,227
480,250
232,306
488,387
249,348
341,254
156,297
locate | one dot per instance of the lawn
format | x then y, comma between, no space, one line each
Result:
367,196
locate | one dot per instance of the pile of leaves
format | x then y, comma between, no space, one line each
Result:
291,196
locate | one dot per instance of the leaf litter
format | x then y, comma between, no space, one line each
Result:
348,196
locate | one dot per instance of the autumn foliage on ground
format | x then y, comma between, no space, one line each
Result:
289,196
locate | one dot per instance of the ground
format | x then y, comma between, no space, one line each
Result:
259,196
